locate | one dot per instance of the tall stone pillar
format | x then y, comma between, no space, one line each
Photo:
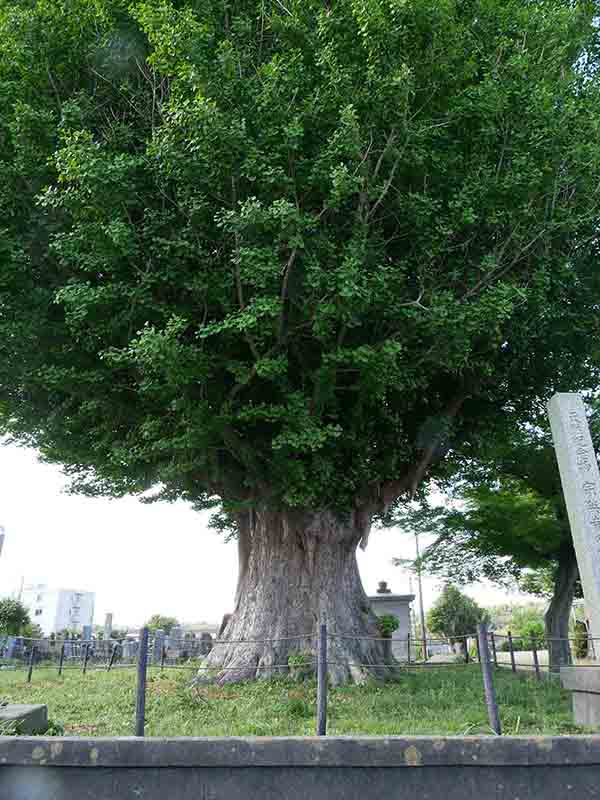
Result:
581,487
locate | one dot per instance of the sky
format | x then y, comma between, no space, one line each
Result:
146,559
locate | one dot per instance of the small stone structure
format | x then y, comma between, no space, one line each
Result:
30,719
584,685
384,602
324,768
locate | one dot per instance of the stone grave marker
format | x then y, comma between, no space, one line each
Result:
206,644
158,645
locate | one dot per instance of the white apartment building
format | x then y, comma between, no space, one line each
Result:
55,610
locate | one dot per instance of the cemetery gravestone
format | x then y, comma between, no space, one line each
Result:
158,646
176,641
206,644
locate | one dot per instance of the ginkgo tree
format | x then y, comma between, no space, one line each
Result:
284,257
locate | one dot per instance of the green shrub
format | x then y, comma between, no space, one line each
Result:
302,665
387,624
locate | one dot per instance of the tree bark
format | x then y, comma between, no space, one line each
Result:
558,612
296,567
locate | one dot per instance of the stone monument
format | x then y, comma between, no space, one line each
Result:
581,488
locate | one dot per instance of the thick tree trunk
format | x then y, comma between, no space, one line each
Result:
558,612
295,568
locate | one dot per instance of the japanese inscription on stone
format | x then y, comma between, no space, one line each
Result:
585,460
581,487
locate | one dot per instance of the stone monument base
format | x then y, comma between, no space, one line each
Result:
30,719
584,685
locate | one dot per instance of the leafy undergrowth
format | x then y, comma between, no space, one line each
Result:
427,701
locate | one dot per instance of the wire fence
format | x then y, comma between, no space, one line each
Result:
312,653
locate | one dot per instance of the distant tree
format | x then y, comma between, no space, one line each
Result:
14,616
455,616
68,633
158,622
527,626
32,630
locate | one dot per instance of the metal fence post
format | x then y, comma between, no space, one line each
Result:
494,653
322,680
408,646
163,656
536,661
86,655
31,662
478,646
113,656
466,646
488,681
513,666
140,700
61,659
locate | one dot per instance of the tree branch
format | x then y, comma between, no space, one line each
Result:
284,291
428,453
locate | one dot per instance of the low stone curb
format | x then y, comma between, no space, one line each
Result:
393,752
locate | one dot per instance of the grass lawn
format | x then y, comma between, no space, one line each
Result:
431,700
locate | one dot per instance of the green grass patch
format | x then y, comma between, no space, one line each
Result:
426,701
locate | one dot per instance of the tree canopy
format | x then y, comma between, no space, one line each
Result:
293,250
14,616
162,623
455,615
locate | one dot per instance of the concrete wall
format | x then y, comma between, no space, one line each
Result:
399,606
414,768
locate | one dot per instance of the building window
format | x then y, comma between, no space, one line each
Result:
38,612
38,599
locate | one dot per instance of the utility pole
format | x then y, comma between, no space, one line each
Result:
421,611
